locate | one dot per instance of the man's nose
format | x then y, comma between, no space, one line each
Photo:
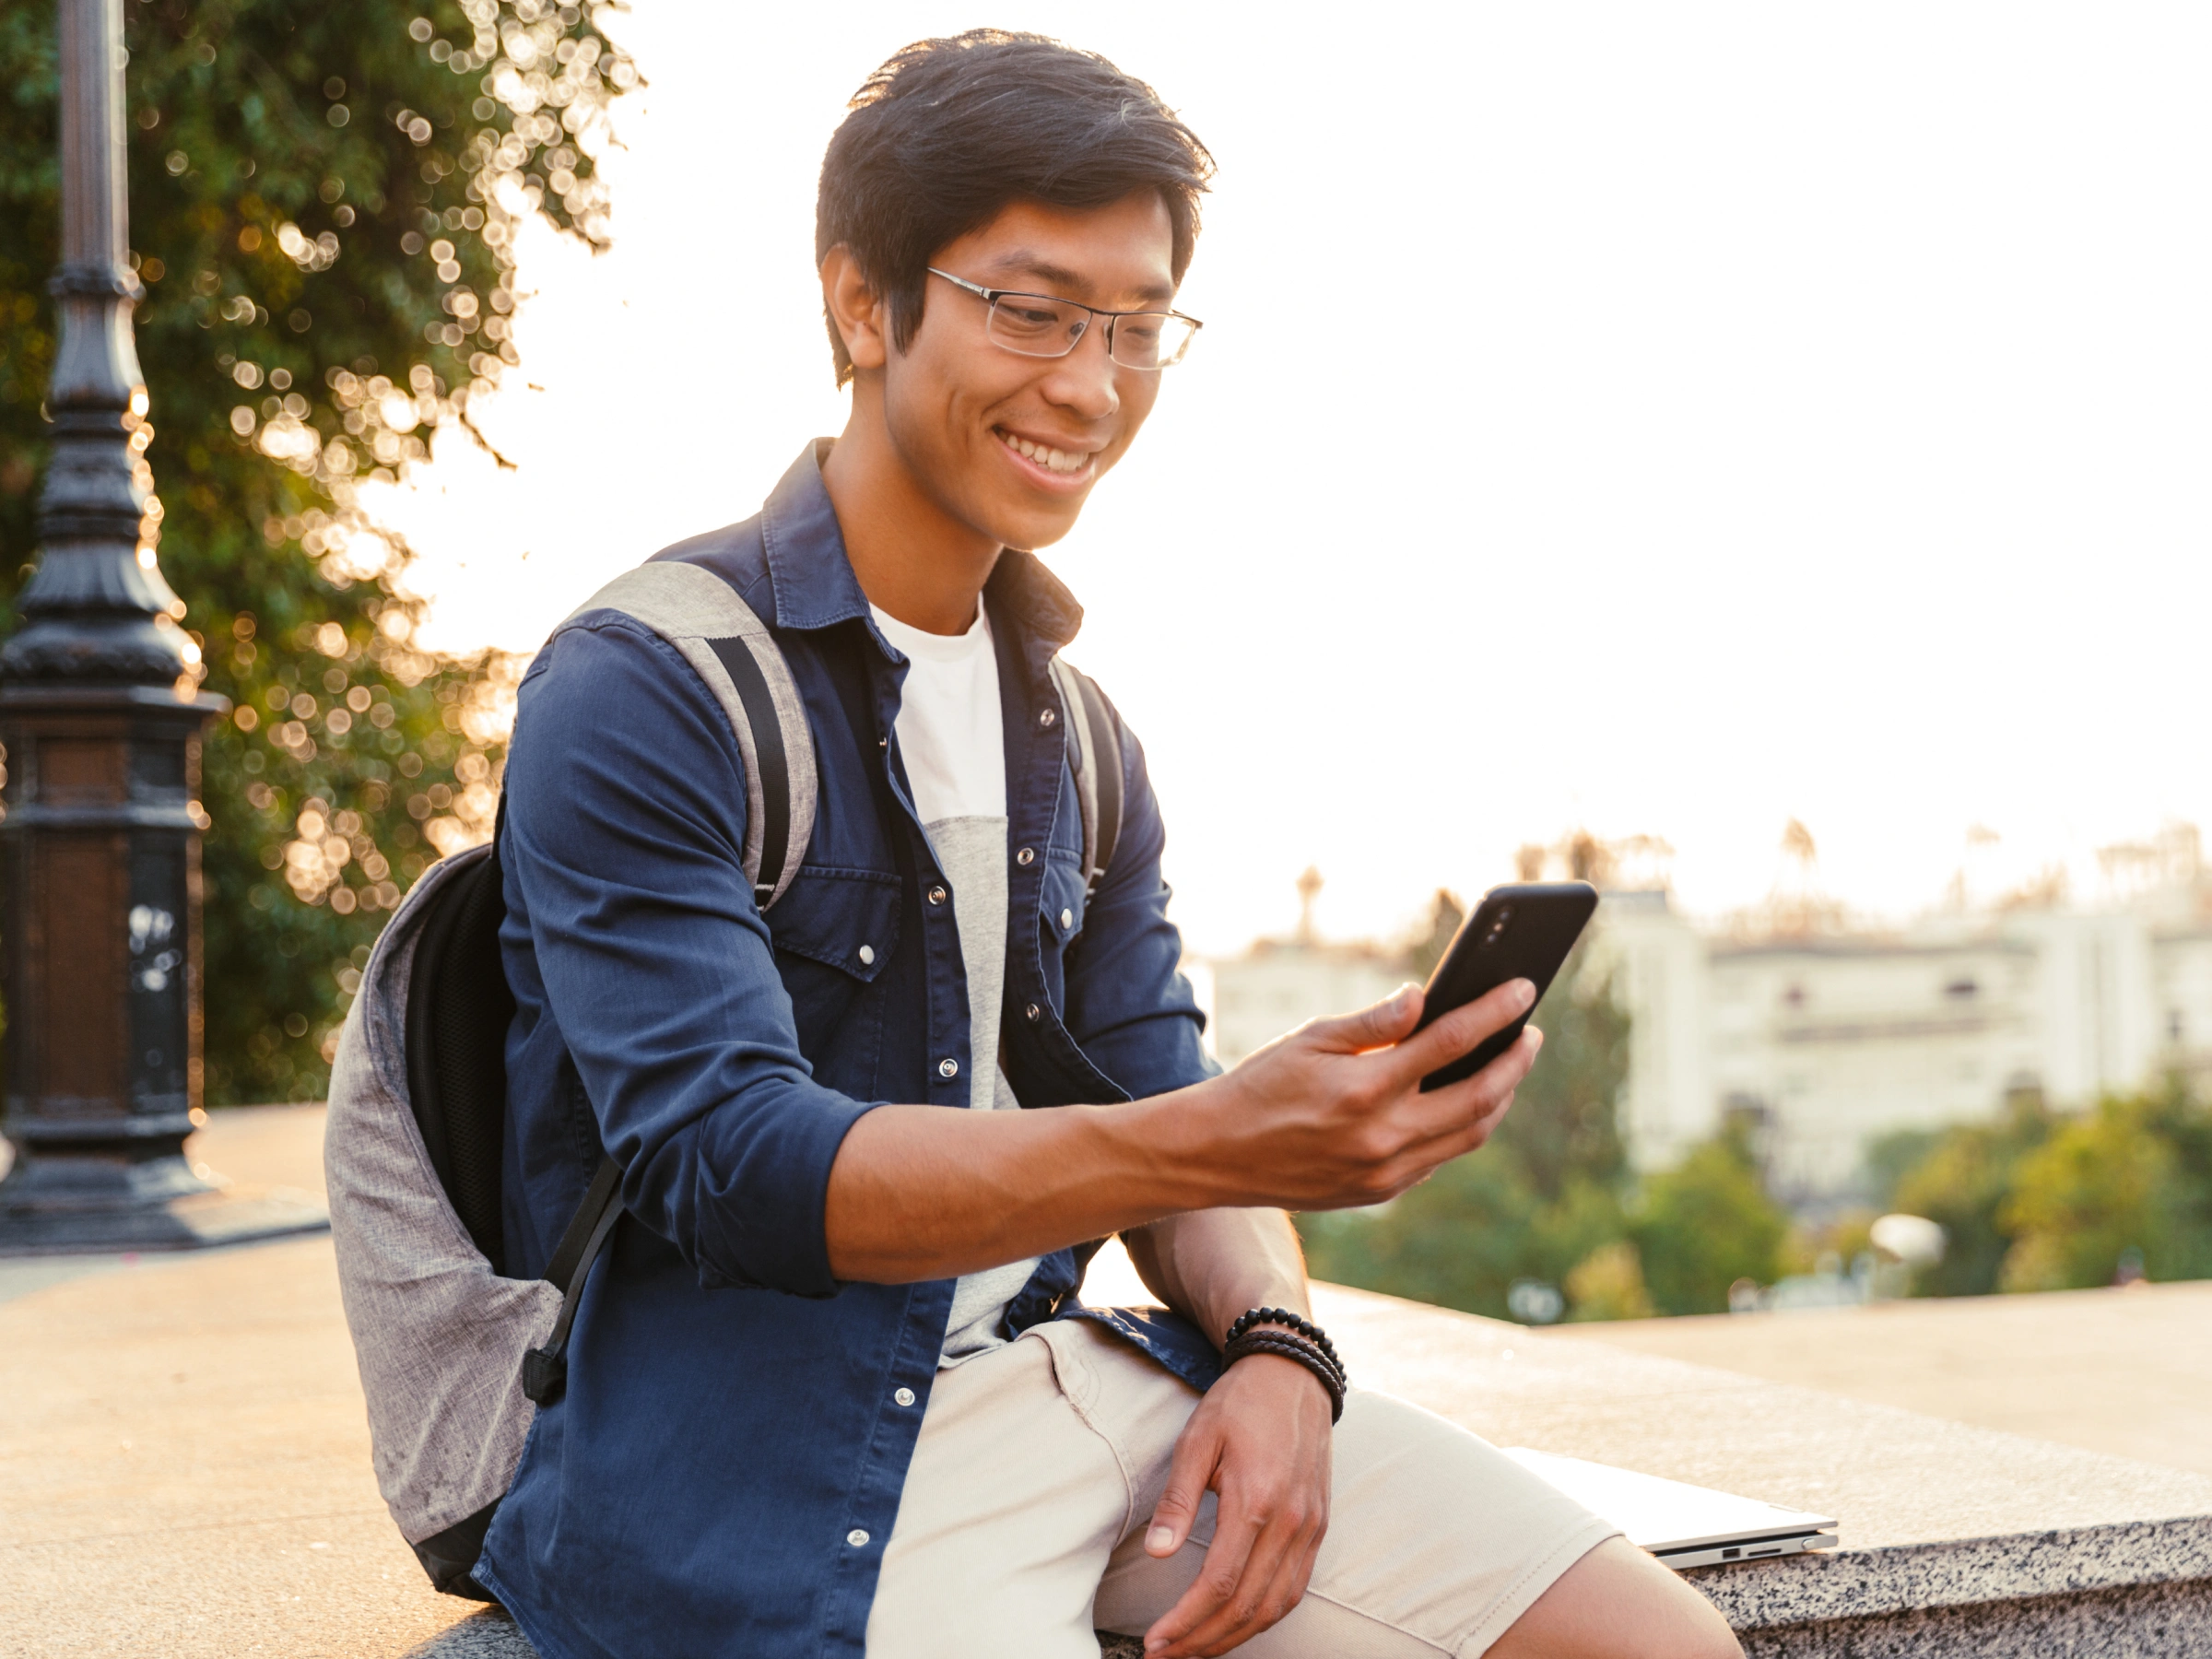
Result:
1083,380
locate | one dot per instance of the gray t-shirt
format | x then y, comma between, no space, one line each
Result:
952,744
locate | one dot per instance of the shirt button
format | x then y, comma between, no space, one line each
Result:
1025,856
857,1538
883,742
948,1068
1067,918
936,895
905,1397
1048,718
866,954
1032,1010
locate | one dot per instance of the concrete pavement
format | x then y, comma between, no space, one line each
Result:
2127,1372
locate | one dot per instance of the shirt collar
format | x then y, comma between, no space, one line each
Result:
812,582
807,570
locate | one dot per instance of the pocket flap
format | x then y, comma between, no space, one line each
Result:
846,919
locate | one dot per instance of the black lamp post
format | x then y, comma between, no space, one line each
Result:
102,717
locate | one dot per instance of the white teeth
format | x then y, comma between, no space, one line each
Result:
1051,459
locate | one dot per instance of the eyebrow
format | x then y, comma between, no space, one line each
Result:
1026,261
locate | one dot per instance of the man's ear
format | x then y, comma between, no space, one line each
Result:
862,319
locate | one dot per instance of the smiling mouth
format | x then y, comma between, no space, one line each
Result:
1059,463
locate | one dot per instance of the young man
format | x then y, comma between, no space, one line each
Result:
832,1393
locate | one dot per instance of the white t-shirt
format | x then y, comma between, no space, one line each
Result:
952,744
951,735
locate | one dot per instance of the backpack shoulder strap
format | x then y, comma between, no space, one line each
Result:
1095,753
730,648
545,1367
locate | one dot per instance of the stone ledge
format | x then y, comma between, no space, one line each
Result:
1948,1541
2010,1536
184,1470
1857,1583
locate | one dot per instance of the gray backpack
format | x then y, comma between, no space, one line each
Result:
456,1357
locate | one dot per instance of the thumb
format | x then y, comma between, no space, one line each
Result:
1188,1475
1375,1026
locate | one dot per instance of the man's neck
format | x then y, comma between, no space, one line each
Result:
913,558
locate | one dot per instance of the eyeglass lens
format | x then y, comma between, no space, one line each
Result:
1036,327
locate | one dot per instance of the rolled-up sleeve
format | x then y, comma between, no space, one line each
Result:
621,850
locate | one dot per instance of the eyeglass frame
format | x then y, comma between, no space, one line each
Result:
992,296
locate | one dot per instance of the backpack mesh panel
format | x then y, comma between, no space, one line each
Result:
458,1011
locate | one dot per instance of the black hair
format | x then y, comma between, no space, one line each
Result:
949,132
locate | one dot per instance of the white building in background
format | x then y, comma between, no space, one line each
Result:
1828,1038
1278,984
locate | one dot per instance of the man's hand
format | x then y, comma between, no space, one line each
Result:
1332,1116
1260,1440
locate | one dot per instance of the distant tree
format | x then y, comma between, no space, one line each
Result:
1707,1223
1459,1240
1890,1157
2128,1179
1608,1284
1564,1129
1963,1181
323,204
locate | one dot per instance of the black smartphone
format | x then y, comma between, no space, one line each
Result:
1521,932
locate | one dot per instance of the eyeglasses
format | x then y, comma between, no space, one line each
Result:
1039,326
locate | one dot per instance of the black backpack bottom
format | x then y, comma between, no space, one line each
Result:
450,1557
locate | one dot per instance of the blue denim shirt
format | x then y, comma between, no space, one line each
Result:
723,1471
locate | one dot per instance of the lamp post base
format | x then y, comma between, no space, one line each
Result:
85,1205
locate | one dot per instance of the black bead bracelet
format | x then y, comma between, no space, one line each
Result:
1298,1350
1284,1316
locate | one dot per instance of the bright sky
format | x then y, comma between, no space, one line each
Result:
1667,419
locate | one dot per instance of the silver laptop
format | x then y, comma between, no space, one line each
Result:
1683,1525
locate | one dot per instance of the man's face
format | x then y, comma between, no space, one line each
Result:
961,410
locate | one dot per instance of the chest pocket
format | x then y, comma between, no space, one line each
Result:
1063,899
834,932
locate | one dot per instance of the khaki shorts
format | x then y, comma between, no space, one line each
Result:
1039,1465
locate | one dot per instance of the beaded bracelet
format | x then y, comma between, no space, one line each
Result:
1298,1351
1284,1316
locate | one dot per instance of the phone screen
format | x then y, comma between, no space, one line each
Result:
1519,932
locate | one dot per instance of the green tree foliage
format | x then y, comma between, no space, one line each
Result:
1707,1223
1538,1199
1608,1284
2048,1201
2131,1179
1963,1181
325,202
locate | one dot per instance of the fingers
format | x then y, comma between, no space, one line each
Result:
1248,1590
1190,1473
1456,1033
1218,1580
1273,1583
1460,1118
1377,1026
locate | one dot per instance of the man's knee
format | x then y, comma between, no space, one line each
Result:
1618,1602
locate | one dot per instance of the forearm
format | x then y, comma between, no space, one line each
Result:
922,1192
1329,1116
1213,1265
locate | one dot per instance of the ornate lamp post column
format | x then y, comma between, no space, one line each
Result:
100,849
